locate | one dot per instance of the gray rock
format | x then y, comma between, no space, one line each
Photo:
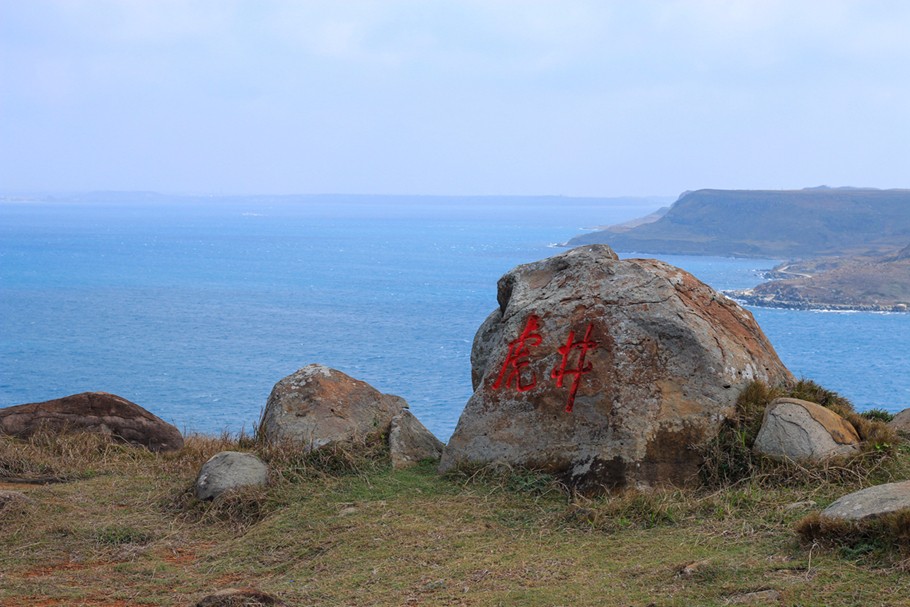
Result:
410,441
607,373
802,431
871,502
230,470
318,406
99,412
901,422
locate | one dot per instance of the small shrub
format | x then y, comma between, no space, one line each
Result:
632,508
119,535
289,462
878,415
504,477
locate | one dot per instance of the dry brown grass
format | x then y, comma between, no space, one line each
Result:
342,528
876,538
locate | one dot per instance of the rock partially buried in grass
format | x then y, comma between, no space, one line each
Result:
607,373
410,441
230,470
801,431
11,501
901,422
318,406
870,502
98,412
240,597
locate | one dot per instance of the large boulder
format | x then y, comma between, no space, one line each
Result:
92,412
230,470
607,373
871,502
410,442
802,431
318,406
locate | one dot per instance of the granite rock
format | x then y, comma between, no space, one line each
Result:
318,406
802,431
92,412
607,372
230,470
410,441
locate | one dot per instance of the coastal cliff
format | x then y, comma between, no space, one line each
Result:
777,224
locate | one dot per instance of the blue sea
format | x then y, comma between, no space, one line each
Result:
194,307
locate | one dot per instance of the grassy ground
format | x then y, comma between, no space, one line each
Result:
123,530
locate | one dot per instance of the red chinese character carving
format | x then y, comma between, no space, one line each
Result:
519,352
560,372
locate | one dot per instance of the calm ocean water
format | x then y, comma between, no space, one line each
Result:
194,308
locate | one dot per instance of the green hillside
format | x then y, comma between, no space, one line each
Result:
771,223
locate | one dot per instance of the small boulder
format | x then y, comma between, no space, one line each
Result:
318,406
410,441
871,502
92,412
802,431
901,422
240,597
229,470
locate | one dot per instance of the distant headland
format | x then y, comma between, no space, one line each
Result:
845,248
776,224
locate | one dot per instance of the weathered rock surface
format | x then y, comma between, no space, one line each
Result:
240,597
229,470
606,372
871,502
901,422
317,406
804,432
410,441
92,412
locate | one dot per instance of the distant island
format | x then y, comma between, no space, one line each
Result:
845,248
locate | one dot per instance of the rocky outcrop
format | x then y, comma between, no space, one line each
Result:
92,412
606,372
901,422
318,406
410,442
230,470
802,431
871,502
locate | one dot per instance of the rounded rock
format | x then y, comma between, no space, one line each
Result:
803,431
871,502
230,470
317,406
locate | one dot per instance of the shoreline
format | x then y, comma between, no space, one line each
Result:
758,301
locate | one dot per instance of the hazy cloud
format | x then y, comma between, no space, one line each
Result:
428,96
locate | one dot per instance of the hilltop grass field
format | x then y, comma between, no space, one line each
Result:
338,527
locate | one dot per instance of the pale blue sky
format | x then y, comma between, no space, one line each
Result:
565,97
